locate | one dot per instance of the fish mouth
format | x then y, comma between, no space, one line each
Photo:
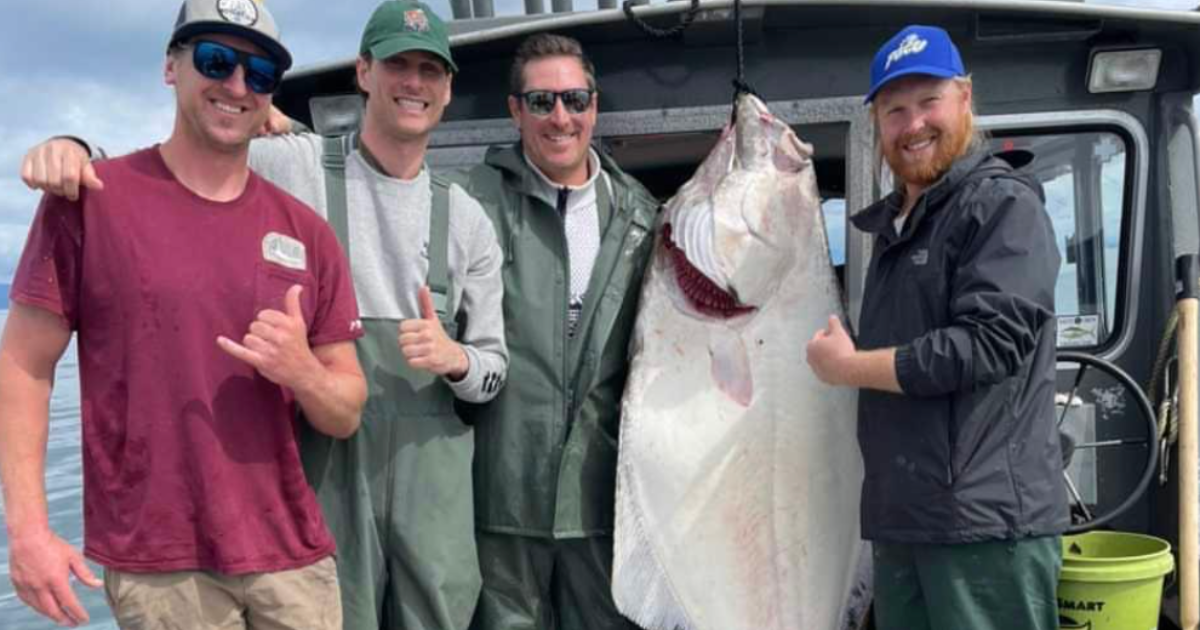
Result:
701,293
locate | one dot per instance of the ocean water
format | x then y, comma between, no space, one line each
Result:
64,494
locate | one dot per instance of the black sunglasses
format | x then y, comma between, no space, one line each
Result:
541,102
217,62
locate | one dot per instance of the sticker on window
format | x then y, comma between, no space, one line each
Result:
1076,331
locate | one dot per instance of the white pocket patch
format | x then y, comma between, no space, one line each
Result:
284,250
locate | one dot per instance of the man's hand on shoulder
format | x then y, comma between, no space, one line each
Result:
59,166
277,123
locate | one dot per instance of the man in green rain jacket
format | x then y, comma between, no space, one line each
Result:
576,235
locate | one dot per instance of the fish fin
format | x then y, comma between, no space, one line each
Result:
641,586
731,368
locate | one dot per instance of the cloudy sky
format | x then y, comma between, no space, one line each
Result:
95,69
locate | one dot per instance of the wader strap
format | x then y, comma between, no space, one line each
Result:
439,237
333,158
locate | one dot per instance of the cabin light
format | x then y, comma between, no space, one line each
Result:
1124,70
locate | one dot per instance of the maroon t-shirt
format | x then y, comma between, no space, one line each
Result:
190,456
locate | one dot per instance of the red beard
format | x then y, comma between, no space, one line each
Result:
951,145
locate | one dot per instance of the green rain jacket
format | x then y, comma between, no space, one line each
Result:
546,446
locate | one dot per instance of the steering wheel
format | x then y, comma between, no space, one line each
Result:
1085,514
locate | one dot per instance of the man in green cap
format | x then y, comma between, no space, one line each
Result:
424,256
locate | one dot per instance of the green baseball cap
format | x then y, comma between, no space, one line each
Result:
397,26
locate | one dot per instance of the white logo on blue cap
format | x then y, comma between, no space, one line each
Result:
240,12
910,45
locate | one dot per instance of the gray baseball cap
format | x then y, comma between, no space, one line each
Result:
242,18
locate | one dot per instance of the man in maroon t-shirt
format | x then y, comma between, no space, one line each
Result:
208,305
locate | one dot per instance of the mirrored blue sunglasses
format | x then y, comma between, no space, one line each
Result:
217,61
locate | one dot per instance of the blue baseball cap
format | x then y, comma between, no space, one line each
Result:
915,50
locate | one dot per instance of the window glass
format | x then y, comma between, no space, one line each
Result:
834,210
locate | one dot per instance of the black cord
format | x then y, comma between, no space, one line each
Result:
740,86
741,44
662,33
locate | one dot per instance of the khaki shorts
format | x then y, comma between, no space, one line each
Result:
301,599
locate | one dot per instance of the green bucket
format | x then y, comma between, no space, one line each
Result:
1112,581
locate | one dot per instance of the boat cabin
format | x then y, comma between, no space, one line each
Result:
1095,101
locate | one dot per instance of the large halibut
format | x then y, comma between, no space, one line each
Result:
739,472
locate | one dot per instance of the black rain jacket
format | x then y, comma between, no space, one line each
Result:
970,451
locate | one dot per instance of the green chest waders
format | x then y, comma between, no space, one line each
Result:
397,495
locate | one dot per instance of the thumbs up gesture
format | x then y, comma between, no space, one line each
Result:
828,350
425,345
277,344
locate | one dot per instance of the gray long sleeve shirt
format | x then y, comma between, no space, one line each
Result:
389,232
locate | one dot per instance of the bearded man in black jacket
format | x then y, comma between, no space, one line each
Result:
963,497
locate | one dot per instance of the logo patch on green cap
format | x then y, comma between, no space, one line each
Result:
416,21
399,26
